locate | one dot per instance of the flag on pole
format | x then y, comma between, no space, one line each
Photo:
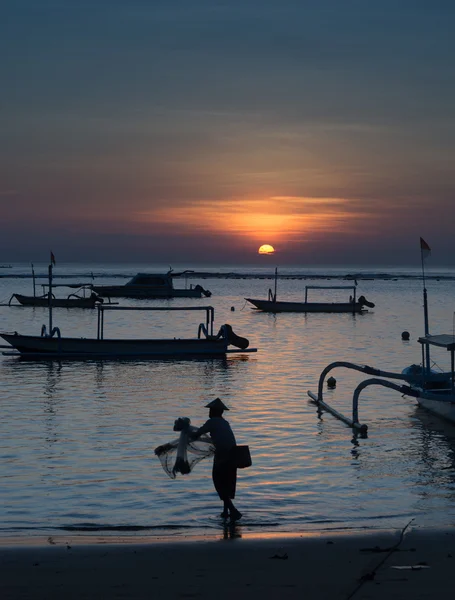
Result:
52,258
424,248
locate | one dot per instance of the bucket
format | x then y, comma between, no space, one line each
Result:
242,457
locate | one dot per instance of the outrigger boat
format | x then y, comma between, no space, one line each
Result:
434,391
83,297
146,285
52,345
354,305
73,300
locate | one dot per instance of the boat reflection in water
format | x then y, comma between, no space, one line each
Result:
434,451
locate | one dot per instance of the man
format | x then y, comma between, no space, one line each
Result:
224,467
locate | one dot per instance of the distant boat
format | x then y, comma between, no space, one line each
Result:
72,301
151,285
77,299
354,305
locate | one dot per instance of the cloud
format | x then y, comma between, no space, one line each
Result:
274,219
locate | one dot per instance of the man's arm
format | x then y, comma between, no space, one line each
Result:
204,429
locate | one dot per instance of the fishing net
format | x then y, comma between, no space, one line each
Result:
181,455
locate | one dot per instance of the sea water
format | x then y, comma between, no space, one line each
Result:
77,438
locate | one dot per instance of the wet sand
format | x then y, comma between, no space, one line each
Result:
417,564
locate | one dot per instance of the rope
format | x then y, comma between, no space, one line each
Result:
244,305
372,574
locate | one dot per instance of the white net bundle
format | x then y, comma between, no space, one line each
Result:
181,455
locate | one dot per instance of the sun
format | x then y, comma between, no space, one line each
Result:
266,249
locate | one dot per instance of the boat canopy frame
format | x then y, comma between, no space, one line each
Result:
209,314
331,287
442,340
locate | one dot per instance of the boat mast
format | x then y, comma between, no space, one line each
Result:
424,248
272,297
49,297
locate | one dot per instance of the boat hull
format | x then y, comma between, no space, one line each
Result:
126,291
444,409
306,307
38,347
56,302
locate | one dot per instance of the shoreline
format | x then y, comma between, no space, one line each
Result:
230,532
416,564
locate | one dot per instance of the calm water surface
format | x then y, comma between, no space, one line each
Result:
77,438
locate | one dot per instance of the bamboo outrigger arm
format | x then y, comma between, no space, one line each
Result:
354,422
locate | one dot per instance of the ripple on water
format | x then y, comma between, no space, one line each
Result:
77,439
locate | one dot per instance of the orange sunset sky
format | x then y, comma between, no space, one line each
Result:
174,133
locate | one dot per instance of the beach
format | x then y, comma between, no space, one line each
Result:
413,564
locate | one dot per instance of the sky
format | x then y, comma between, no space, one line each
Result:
194,132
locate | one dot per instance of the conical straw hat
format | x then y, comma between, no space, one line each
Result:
217,404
